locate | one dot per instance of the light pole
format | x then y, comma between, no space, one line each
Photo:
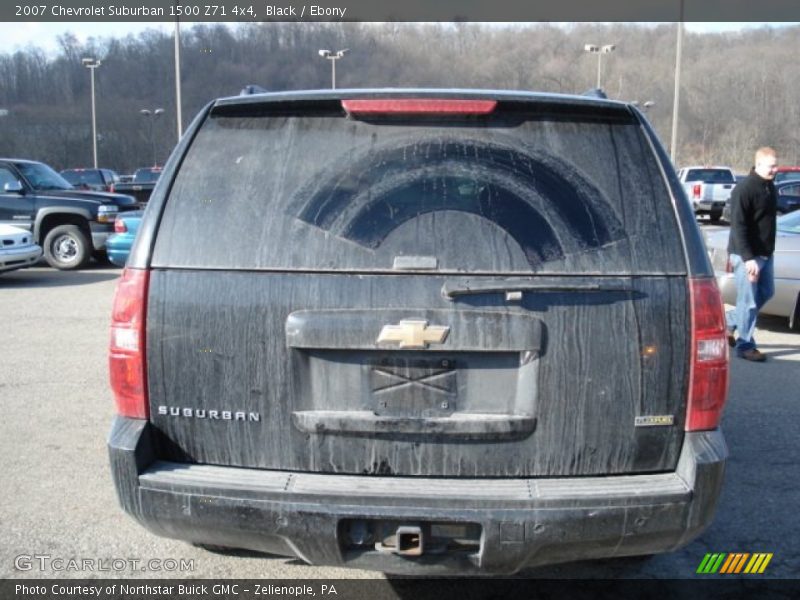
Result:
673,144
178,115
152,115
599,50
333,57
92,64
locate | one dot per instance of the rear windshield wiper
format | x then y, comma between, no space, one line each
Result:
514,288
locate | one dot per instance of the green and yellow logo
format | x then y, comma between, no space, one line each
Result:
732,563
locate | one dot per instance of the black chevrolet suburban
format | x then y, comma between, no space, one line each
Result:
420,331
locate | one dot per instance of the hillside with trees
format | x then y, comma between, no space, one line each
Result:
739,90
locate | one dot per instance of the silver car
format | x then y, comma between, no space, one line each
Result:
17,248
786,301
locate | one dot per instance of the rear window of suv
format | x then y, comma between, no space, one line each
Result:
710,176
517,192
793,175
146,175
77,177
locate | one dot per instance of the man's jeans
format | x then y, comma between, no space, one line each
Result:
750,297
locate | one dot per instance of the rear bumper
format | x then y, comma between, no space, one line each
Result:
523,522
706,207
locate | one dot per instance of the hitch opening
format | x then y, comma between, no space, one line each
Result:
409,541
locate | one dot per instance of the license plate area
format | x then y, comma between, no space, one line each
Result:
413,387
469,395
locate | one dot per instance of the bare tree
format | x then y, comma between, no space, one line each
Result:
740,89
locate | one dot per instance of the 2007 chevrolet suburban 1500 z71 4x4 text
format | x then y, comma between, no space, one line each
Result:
436,332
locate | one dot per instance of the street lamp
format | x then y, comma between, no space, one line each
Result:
152,115
673,144
178,114
92,64
333,57
599,50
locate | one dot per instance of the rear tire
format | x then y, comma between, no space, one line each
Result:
715,217
67,248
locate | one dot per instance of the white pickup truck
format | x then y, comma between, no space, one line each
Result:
708,188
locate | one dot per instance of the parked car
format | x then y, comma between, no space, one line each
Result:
788,199
786,301
142,185
709,189
788,196
420,332
71,225
785,173
17,248
118,246
101,180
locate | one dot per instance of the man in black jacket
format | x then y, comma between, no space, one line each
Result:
751,245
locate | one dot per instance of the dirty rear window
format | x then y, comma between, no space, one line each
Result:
324,192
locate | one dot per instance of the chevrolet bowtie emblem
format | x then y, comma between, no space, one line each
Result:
413,334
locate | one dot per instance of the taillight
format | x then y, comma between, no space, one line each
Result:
696,190
111,188
708,371
119,226
419,106
126,353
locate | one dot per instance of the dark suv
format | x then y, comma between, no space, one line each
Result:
422,332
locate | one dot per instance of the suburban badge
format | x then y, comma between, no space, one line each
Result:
654,420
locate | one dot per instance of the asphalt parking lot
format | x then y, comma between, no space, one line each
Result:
57,498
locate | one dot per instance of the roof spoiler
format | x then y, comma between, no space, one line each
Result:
595,93
251,89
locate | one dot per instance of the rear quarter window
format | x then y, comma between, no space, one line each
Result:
521,194
790,190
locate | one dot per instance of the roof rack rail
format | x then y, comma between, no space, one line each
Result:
252,89
595,93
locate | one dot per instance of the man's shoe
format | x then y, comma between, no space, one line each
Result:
731,340
753,355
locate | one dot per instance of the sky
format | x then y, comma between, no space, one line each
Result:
17,36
